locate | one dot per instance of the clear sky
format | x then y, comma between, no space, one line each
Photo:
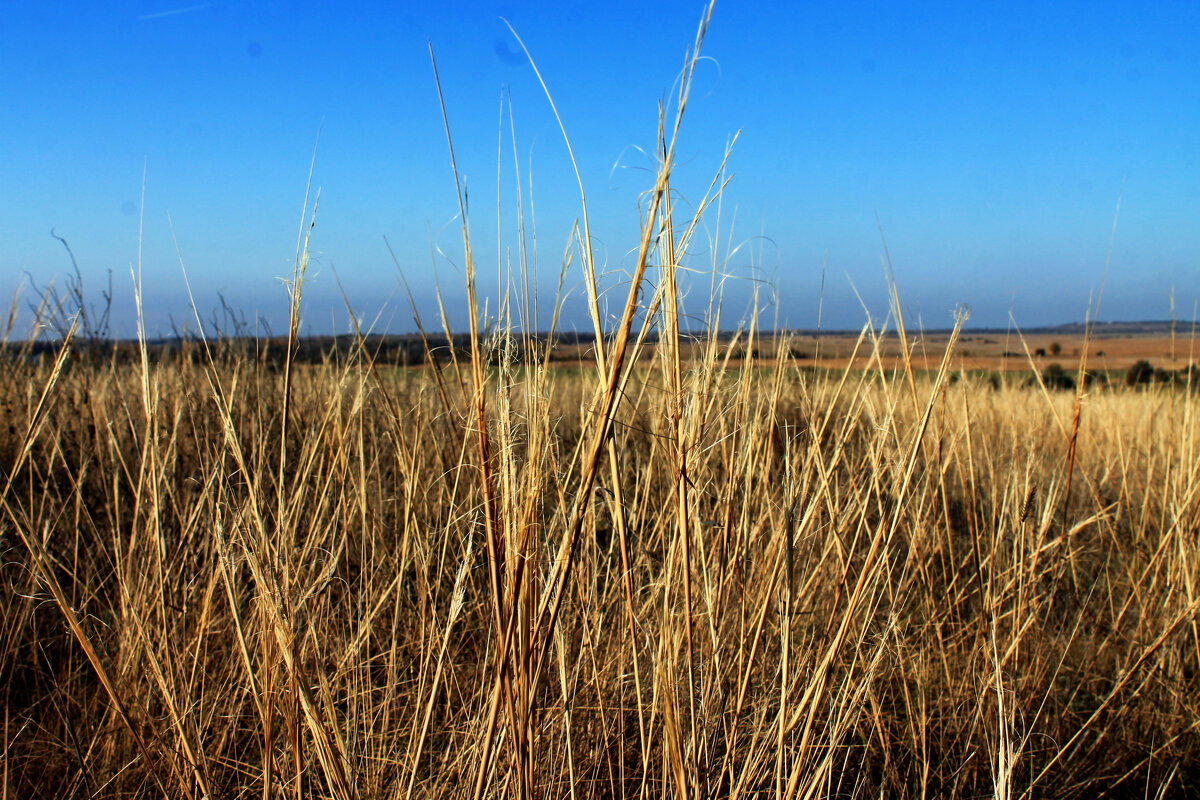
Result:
992,141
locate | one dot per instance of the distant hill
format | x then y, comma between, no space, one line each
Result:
410,349
1144,328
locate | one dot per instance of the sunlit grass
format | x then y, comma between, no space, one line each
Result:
658,571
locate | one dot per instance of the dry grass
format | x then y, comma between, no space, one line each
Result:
691,577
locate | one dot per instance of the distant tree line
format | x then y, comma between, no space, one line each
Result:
1141,374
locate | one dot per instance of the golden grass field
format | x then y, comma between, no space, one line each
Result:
677,572
1005,352
993,351
780,584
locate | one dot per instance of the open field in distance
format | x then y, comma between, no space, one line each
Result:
1114,348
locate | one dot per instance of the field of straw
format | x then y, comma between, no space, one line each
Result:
669,574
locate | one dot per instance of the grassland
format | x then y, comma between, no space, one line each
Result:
220,580
678,571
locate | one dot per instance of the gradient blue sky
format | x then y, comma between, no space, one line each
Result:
992,140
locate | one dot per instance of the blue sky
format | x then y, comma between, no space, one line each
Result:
992,141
